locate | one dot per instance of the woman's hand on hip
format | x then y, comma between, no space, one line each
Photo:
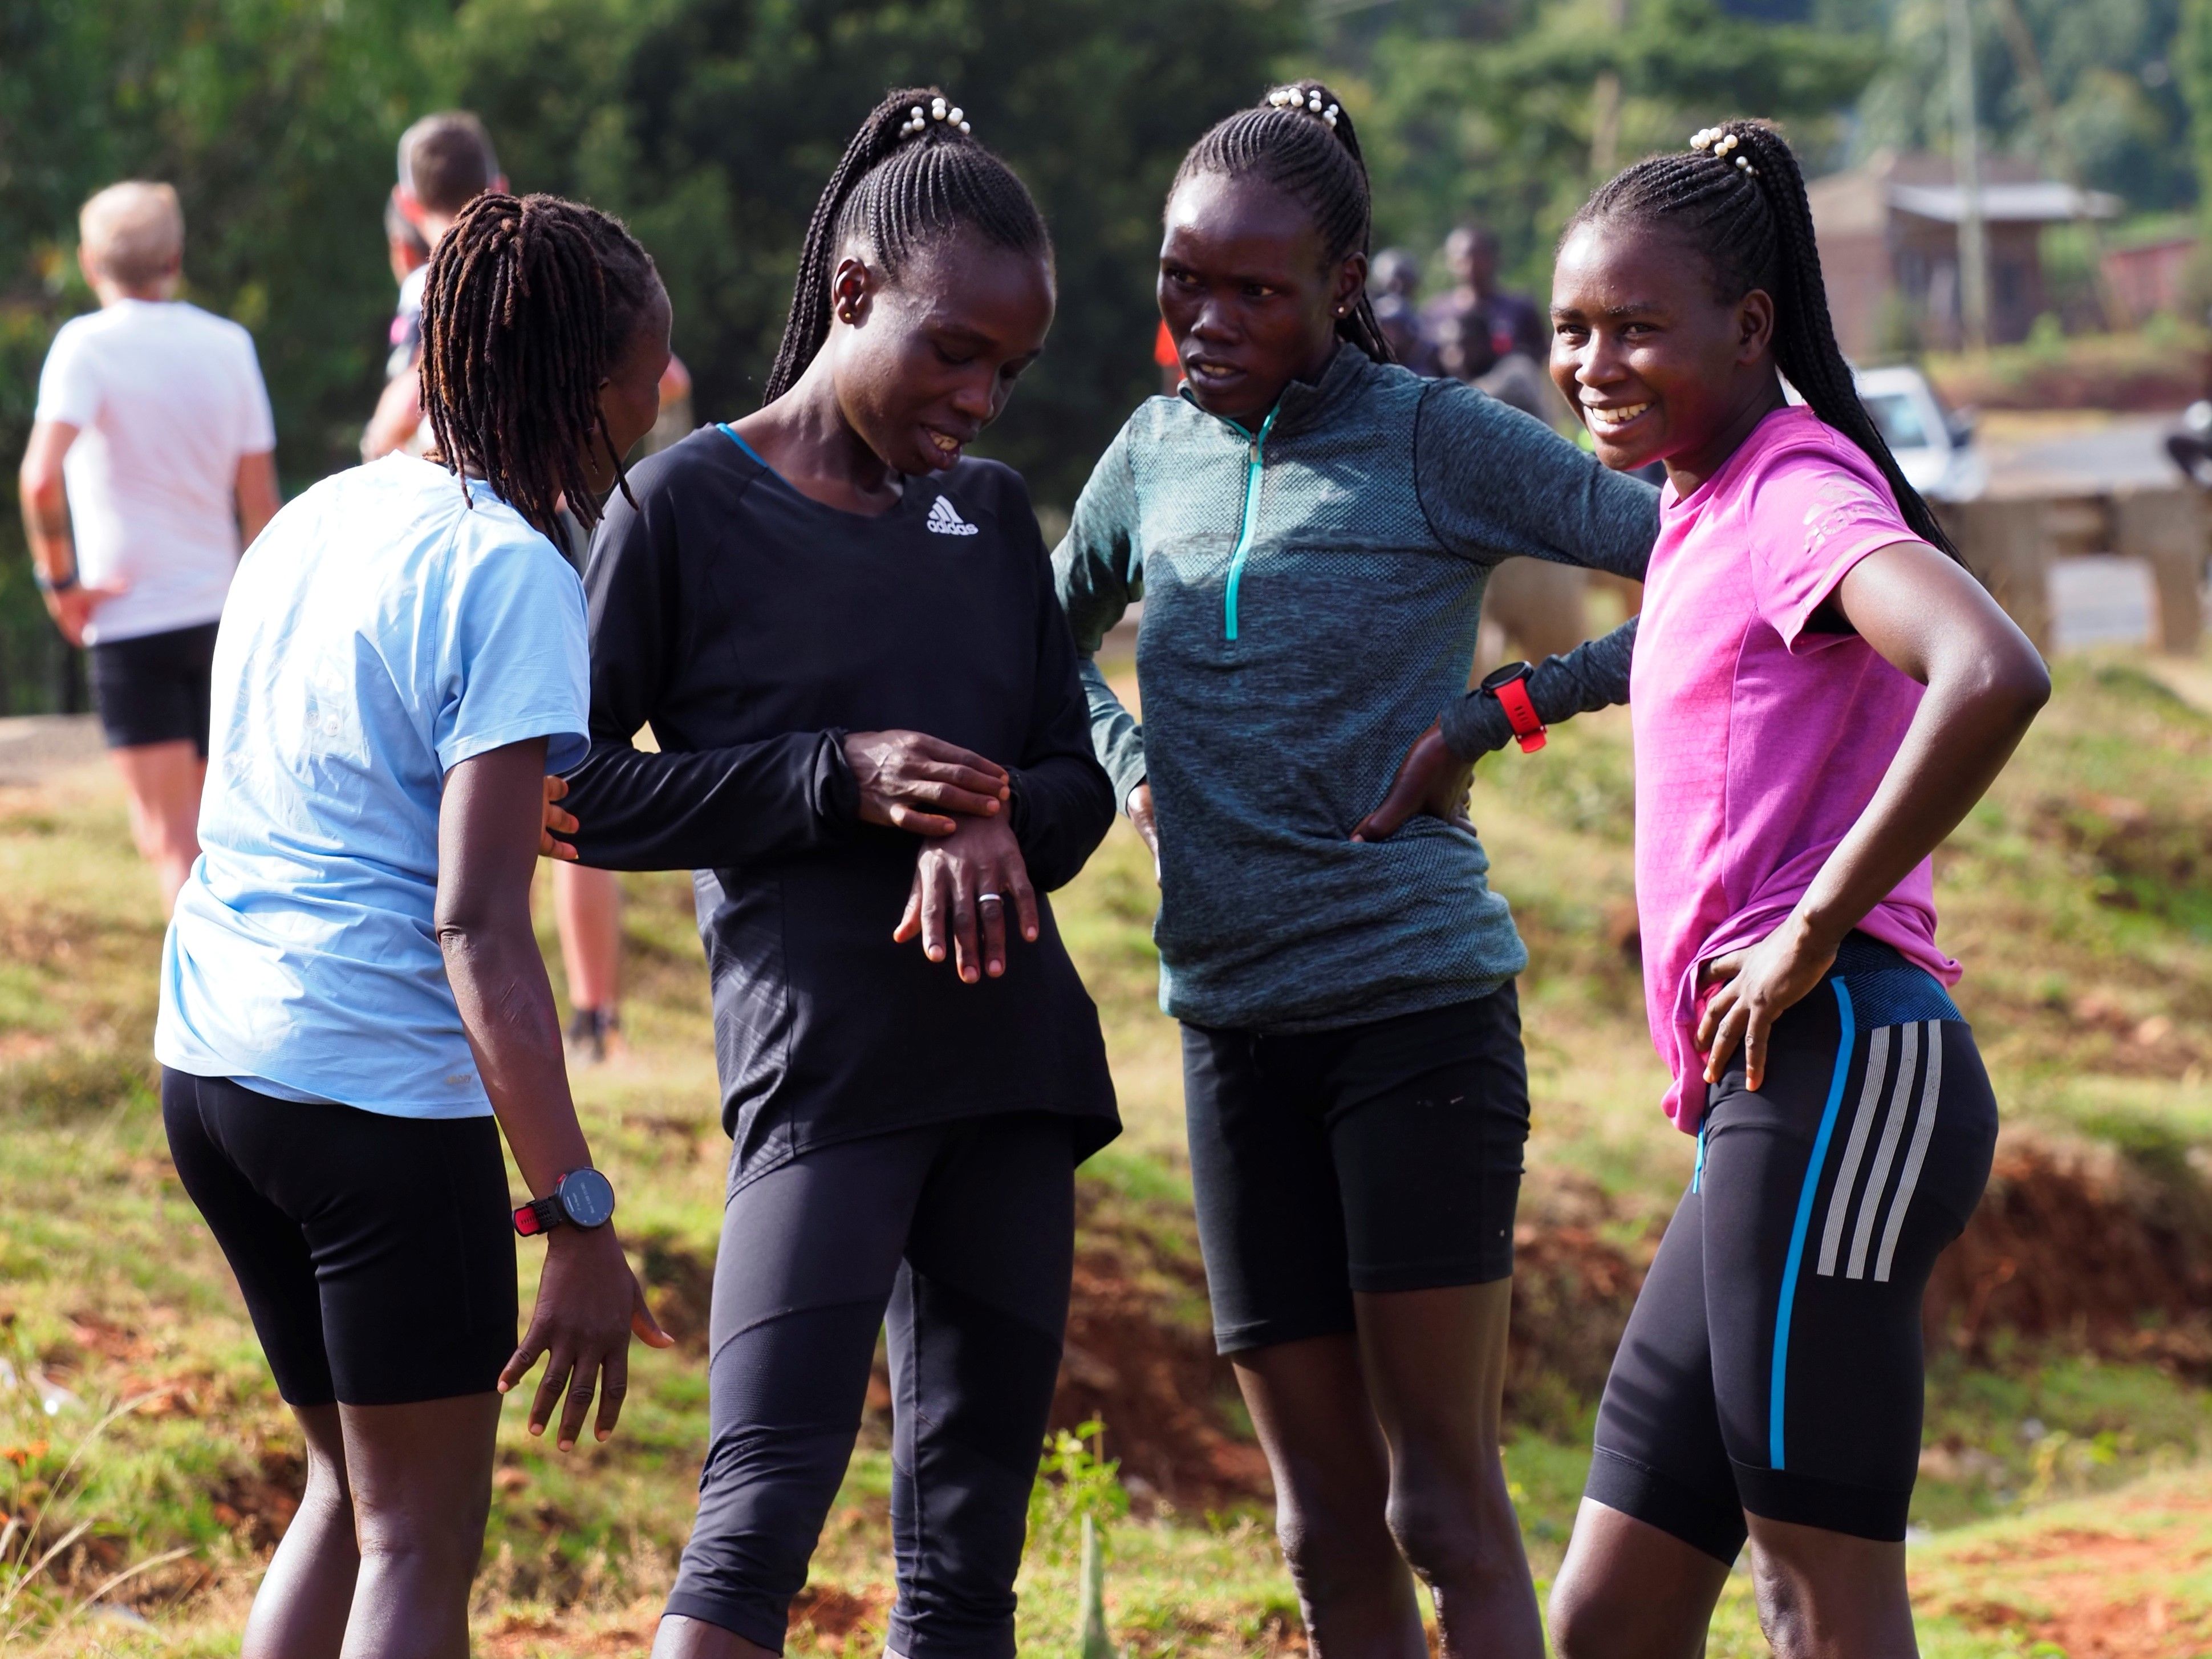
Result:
1758,985
589,1306
1141,820
964,886
1430,779
911,780
557,823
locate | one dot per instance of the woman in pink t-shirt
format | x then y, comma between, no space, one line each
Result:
1821,693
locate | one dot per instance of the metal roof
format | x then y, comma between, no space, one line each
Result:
2043,202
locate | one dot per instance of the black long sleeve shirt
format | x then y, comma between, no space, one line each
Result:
752,628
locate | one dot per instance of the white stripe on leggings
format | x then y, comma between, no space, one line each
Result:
1847,1175
1931,1090
1893,1131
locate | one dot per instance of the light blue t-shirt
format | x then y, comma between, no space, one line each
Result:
381,631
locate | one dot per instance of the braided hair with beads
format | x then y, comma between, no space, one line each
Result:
1300,139
529,305
912,176
1737,196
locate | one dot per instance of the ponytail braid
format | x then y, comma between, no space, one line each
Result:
1737,195
528,306
1300,139
912,176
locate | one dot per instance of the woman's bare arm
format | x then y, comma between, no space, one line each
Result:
588,1301
1986,682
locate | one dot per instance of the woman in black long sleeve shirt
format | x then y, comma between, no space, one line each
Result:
792,604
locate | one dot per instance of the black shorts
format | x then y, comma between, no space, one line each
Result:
376,1254
1382,1156
957,1240
154,689
1772,1362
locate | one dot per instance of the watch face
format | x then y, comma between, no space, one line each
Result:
588,1198
1506,676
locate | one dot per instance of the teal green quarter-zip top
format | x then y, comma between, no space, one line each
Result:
1250,522
1312,588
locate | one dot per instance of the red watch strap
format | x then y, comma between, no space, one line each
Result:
526,1220
1513,697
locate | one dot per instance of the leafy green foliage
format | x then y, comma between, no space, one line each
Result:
1485,112
1074,1485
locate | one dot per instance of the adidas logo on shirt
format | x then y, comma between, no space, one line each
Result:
945,519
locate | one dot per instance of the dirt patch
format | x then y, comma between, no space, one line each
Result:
256,1504
1572,1291
1148,1371
2080,1604
826,1613
679,1288
2075,1245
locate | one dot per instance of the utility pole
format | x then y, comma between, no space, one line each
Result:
1605,103
1974,230
2058,156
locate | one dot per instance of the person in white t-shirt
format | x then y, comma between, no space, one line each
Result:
150,465
446,161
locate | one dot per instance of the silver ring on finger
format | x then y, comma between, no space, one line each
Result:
989,898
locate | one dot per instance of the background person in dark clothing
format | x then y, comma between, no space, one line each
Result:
845,639
1477,319
1391,286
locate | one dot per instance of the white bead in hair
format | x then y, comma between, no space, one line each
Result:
1329,116
1703,137
953,116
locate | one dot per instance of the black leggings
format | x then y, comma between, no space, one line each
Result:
376,1254
961,1238
1773,1363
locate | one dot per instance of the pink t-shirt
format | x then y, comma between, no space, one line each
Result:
1760,737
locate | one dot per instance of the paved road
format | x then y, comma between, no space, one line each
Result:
34,747
2094,601
2127,453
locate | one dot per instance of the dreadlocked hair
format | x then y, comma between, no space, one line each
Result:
1299,139
529,305
1736,196
911,176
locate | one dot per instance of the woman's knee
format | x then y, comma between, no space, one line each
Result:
1333,1549
1451,1530
1586,1620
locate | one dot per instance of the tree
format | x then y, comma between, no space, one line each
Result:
712,125
1486,110
275,119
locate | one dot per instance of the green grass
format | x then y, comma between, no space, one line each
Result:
2079,895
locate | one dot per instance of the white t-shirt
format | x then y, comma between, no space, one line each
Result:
168,399
385,631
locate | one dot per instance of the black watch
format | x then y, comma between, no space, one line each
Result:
581,1198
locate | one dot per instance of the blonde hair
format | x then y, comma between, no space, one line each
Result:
133,232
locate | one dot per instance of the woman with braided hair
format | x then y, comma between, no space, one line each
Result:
353,1004
1310,528
870,731
1821,693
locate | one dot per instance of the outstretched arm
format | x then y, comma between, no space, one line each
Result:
1926,616
1434,775
588,1301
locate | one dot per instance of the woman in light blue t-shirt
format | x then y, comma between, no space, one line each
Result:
351,992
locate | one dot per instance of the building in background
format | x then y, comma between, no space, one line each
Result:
2151,275
1889,248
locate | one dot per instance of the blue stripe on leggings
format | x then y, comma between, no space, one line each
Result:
1780,1383
1697,1173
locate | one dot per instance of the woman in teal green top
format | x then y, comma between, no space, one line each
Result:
1310,528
